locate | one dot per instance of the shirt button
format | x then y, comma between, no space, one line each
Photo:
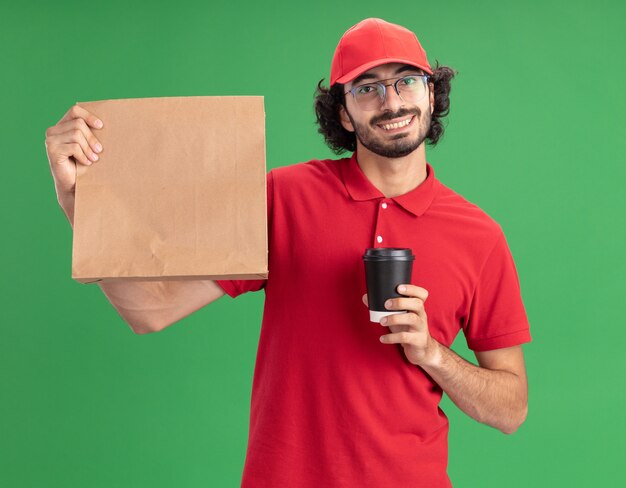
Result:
384,205
379,239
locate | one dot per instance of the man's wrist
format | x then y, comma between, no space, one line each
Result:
66,202
434,354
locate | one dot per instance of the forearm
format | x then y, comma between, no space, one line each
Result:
67,205
496,398
142,304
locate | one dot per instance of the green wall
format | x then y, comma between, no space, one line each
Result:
535,138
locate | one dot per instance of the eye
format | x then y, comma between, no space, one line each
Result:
365,89
409,80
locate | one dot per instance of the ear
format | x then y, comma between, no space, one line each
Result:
344,119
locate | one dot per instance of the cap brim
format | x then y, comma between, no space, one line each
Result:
351,75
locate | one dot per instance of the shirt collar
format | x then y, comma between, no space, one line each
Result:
360,188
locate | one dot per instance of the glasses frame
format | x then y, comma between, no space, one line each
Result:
425,78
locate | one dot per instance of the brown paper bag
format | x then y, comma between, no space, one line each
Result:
178,193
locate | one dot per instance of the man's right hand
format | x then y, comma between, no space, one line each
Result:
69,142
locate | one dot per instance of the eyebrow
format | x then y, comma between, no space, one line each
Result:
367,76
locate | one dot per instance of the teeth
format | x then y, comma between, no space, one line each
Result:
397,124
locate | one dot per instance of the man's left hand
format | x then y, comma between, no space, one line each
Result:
410,329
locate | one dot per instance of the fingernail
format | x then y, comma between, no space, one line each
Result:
388,304
94,156
402,288
383,320
98,147
98,124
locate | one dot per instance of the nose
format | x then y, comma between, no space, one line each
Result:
392,100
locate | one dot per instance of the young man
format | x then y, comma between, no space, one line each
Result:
337,400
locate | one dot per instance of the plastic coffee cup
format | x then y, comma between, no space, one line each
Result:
385,269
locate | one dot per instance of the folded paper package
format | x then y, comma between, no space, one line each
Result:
179,191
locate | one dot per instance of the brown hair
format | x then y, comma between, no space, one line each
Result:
329,100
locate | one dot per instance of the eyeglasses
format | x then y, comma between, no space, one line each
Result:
371,96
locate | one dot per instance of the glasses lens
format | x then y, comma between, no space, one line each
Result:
412,88
369,96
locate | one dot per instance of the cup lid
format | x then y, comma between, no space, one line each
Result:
388,253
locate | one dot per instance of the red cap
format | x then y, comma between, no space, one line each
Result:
373,42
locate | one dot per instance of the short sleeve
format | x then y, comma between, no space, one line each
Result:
497,317
235,288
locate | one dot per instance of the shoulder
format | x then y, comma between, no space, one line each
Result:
465,219
306,172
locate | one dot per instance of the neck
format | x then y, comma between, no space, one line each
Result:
393,176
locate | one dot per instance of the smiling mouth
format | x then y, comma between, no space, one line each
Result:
396,126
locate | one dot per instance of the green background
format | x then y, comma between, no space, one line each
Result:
535,138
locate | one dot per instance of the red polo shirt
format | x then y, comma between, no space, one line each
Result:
331,405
